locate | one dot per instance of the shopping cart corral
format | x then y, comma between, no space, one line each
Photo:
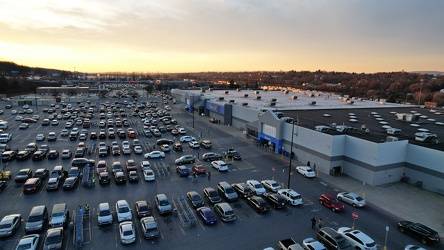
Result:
184,212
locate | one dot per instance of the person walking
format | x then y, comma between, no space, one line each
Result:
94,181
313,223
209,175
320,223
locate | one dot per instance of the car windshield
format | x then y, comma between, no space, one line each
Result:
128,232
335,201
343,244
274,184
52,240
359,198
164,203
104,213
212,194
24,246
195,198
123,209
58,214
143,208
34,218
5,226
258,186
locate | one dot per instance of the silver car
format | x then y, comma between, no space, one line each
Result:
9,224
352,199
104,215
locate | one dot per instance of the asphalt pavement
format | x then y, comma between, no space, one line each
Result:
403,200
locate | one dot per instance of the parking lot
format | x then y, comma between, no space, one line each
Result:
182,229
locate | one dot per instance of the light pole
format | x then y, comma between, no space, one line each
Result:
386,234
291,154
420,92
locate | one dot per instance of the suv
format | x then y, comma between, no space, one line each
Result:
227,191
37,219
104,215
162,204
59,215
332,239
357,239
206,144
177,146
211,156
331,202
185,159
225,211
419,231
243,190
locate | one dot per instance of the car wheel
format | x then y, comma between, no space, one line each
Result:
354,205
321,202
424,241
340,198
401,229
332,209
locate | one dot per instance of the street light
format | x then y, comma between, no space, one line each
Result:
420,92
291,154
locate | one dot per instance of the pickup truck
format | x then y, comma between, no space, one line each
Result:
5,137
289,244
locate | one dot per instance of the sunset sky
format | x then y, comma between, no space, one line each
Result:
223,35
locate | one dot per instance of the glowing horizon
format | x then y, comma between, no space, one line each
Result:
174,36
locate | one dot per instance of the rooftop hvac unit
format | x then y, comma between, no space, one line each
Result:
221,98
226,91
245,104
294,97
203,90
286,92
210,89
231,101
273,99
272,104
350,102
258,97
312,103
238,90
245,95
256,92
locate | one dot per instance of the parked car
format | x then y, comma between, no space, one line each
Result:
23,175
184,159
271,185
292,197
123,211
162,204
154,154
119,177
211,156
127,232
66,154
182,171
256,187
32,185
351,198
148,175
207,215
9,224
426,235
142,208
331,202
332,239
29,242
195,199
306,171
104,215
220,165
357,239
312,244
242,189
199,169
149,227
211,195
53,154
276,200
206,144
54,239
258,203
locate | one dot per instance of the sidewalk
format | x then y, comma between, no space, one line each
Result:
401,199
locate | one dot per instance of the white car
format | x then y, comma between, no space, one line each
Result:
55,122
40,137
154,154
82,137
14,112
127,232
312,244
19,118
357,239
102,124
165,148
28,242
104,215
182,131
256,187
193,144
123,211
187,138
145,165
413,247
75,131
125,144
68,125
9,224
306,171
351,198
26,106
291,196
126,150
64,132
271,185
219,165
148,175
138,150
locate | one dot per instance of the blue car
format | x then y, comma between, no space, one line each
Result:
207,215
182,171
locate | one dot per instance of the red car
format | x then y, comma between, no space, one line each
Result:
32,185
132,134
131,165
199,169
331,202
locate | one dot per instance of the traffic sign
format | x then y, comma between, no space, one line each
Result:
355,215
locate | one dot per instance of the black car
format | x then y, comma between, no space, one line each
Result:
53,154
103,178
119,177
93,136
275,199
195,199
426,235
164,141
39,155
53,239
211,156
41,173
258,203
243,190
211,195
102,135
23,155
2,185
70,183
23,175
142,209
121,134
